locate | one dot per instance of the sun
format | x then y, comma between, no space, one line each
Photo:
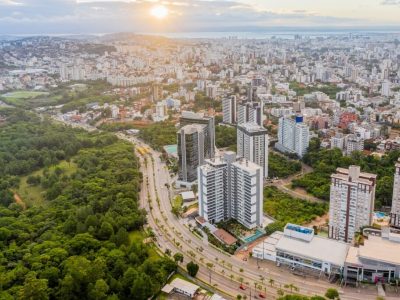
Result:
159,12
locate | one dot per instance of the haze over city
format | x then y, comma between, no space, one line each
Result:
107,16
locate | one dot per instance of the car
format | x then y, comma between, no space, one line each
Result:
242,287
261,296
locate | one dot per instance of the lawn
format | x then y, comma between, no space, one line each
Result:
138,237
34,195
19,98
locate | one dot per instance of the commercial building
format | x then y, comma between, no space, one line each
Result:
250,112
395,212
190,152
299,248
252,144
377,260
231,188
352,198
229,110
189,117
293,136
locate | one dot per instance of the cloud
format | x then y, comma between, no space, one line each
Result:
104,16
10,3
390,2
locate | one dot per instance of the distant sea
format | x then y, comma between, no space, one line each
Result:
257,34
270,34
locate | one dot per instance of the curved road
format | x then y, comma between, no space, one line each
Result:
221,271
226,271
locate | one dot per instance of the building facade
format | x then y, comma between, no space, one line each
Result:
293,136
354,143
250,112
231,188
229,110
189,117
191,139
352,198
395,212
252,144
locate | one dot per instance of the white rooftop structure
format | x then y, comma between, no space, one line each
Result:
188,196
298,246
181,286
318,248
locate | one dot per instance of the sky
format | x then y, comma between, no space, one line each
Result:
107,16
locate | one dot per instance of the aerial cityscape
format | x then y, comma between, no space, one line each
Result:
199,149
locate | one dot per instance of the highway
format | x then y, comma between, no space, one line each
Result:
226,271
222,272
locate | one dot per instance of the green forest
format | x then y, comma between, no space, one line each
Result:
286,209
301,89
282,167
326,161
225,137
77,246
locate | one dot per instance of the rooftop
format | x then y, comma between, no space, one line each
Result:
225,237
189,195
182,285
192,128
354,173
376,249
252,128
319,248
246,165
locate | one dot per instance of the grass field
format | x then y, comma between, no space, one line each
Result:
34,195
29,98
138,237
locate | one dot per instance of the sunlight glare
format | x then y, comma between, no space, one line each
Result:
159,12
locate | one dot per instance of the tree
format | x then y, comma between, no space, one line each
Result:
106,231
34,289
271,281
99,290
192,268
332,293
292,287
178,257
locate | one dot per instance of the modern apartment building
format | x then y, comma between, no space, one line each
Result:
231,188
353,143
250,112
229,110
337,141
395,212
191,139
252,144
293,136
352,198
189,117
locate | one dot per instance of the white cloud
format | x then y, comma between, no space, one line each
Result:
10,3
89,16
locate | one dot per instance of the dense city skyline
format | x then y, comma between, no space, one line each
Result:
88,16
